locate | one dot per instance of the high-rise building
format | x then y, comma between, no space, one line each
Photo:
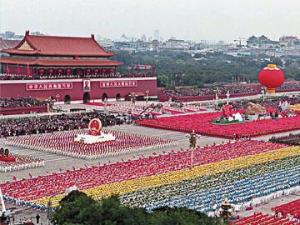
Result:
156,35
144,38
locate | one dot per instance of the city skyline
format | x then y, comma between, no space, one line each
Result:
191,20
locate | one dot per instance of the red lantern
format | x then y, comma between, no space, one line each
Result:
41,72
60,71
51,72
79,72
69,72
271,77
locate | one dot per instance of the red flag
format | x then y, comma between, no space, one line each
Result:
14,178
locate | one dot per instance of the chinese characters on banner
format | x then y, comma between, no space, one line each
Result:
110,84
48,86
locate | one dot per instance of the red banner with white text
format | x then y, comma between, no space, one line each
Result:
113,84
48,86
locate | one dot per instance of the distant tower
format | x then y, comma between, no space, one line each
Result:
144,38
156,35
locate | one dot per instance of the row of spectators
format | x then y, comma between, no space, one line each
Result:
52,123
20,102
291,139
212,91
74,76
232,89
280,103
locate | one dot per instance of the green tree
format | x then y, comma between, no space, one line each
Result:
205,68
79,209
163,80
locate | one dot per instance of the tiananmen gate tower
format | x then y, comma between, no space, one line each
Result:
68,69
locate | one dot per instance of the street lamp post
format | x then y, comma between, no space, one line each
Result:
49,205
263,94
193,143
147,96
132,96
227,96
217,101
105,105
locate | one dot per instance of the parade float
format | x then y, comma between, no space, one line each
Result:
94,134
295,108
228,116
251,112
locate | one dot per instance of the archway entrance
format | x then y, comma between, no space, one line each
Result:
104,97
118,96
67,99
86,97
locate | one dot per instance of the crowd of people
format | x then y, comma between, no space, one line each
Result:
241,192
71,76
59,122
149,110
209,188
260,218
148,172
212,178
291,139
198,181
234,90
277,104
63,143
289,209
20,102
212,91
202,124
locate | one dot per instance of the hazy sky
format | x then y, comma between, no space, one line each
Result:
188,19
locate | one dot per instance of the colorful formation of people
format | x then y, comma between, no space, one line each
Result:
202,124
63,143
231,169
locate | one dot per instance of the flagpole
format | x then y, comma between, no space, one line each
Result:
2,202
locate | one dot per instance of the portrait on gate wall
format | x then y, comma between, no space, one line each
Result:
87,85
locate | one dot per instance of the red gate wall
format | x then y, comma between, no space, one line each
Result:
18,88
